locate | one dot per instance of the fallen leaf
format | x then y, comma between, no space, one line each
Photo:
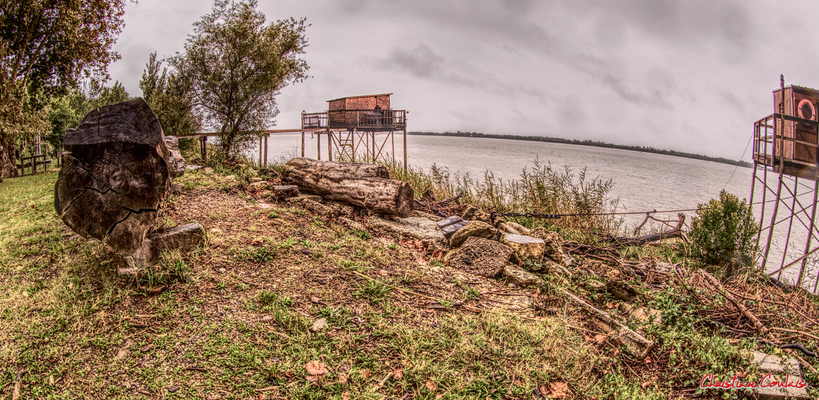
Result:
365,373
345,396
741,374
599,339
313,379
645,384
439,396
610,305
431,385
559,390
342,379
615,352
315,367
398,374
648,360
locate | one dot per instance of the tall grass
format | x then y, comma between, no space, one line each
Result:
541,189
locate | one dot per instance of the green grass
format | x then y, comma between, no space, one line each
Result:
234,321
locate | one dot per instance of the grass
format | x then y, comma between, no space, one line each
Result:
233,320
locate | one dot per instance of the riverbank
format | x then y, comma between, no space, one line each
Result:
593,143
241,317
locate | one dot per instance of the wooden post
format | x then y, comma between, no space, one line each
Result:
329,145
405,146
203,142
260,151
302,143
318,146
265,149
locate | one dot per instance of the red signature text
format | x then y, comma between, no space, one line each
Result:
769,381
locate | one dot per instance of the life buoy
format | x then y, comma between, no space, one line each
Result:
802,103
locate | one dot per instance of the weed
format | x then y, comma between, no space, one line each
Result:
373,290
363,235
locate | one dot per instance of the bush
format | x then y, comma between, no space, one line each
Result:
723,233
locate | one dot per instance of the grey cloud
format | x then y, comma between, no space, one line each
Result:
420,61
352,5
653,97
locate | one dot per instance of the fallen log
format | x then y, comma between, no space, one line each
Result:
363,185
114,175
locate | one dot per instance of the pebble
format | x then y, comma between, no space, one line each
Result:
320,324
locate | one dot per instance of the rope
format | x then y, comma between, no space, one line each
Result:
737,166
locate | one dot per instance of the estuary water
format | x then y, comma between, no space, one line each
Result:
642,181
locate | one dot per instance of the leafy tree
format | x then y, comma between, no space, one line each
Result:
724,233
237,65
169,95
46,47
67,111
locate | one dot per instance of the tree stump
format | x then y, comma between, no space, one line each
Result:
363,185
114,175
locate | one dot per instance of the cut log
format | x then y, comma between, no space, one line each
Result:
363,185
114,175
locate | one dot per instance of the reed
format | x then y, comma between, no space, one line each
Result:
540,189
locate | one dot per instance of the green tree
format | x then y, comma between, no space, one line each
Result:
237,65
169,95
67,111
724,233
46,47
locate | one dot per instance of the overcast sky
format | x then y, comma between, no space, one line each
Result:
690,75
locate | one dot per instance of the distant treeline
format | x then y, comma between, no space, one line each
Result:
590,143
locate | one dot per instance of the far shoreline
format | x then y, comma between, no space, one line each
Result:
592,143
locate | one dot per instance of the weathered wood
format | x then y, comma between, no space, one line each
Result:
176,163
363,185
114,175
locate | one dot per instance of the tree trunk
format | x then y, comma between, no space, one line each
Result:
363,185
8,164
114,176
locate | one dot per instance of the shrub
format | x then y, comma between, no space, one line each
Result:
723,233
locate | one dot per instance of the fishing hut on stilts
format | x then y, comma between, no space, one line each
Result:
358,129
785,168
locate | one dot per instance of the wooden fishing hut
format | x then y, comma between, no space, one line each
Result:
358,128
785,147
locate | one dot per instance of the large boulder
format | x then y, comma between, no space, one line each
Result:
418,228
524,247
481,256
473,228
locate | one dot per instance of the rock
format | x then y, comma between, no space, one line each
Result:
418,228
505,228
524,247
255,179
644,315
320,324
469,213
176,189
284,191
257,186
520,228
520,277
451,255
176,163
173,389
182,238
230,178
554,244
481,256
780,370
451,225
192,167
474,228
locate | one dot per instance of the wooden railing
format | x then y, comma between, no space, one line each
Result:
356,119
33,163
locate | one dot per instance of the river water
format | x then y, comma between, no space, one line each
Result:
642,181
